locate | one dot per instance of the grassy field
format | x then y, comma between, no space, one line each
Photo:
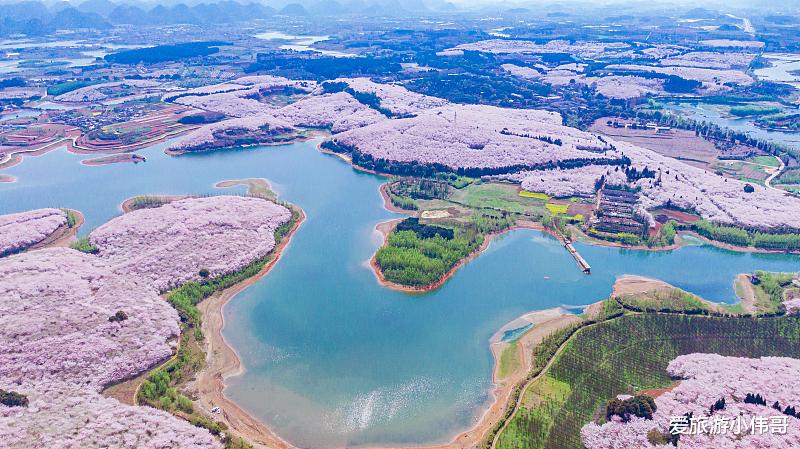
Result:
496,196
556,209
625,355
667,299
790,176
754,110
508,198
534,195
767,161
771,290
751,170
509,360
67,86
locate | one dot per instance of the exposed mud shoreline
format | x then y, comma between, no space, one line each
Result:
222,361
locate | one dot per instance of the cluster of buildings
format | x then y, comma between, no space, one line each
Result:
96,118
639,125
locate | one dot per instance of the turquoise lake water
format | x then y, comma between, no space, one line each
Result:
712,114
332,358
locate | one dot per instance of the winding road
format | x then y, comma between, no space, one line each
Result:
768,181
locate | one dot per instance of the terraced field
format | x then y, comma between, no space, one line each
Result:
625,355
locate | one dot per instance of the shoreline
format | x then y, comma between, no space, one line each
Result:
738,249
223,361
114,159
582,236
127,205
294,139
260,187
387,202
69,142
258,433
71,232
543,323
679,243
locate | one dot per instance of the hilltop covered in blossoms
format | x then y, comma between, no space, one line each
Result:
169,245
625,87
465,136
394,98
712,79
83,322
716,69
25,229
62,348
710,60
523,145
231,133
81,420
96,92
338,112
62,300
707,378
582,49
239,97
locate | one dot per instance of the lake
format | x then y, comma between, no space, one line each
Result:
711,113
781,67
332,358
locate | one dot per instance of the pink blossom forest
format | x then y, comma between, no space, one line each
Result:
432,224
64,346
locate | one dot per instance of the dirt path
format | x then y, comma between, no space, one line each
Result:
768,181
543,372
64,235
744,290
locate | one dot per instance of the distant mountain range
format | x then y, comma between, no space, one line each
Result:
38,18
35,17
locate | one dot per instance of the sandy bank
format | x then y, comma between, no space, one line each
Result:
63,236
629,284
255,187
544,323
743,286
68,235
222,361
387,202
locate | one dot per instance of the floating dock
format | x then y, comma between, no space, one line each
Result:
582,264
